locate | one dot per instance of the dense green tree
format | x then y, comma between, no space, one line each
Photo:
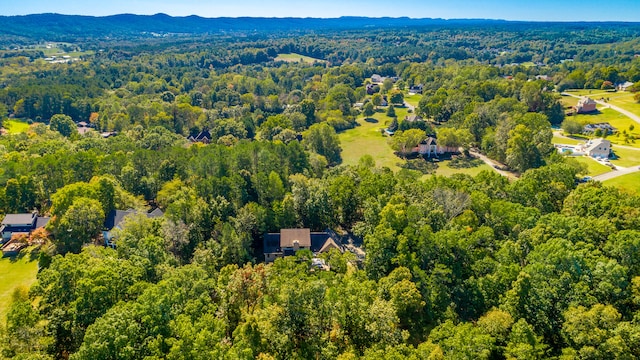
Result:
62,124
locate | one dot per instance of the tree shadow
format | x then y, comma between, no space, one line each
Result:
371,120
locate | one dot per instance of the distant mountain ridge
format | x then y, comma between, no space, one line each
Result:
57,27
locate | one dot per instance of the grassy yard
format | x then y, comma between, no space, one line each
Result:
19,272
630,182
366,139
292,58
15,126
626,157
413,99
561,140
593,167
617,120
445,170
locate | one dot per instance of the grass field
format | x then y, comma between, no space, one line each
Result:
445,170
630,183
561,140
413,99
15,126
626,157
617,120
366,139
21,272
593,167
292,58
622,99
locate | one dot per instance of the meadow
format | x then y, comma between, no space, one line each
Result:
15,126
629,182
293,58
16,272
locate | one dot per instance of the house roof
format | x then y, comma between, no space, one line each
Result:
155,213
288,236
41,221
330,244
115,217
11,219
595,143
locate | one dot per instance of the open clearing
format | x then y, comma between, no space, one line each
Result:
629,182
626,157
622,99
594,168
366,139
293,58
19,272
445,170
15,126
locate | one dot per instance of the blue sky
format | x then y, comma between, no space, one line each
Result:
554,10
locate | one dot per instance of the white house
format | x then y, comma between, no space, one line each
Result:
598,148
624,86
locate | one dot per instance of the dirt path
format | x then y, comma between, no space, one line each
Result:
493,164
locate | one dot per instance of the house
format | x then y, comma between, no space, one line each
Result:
372,89
377,79
14,224
416,89
598,148
203,137
413,118
624,86
429,147
605,127
585,105
115,220
543,77
83,128
289,241
108,134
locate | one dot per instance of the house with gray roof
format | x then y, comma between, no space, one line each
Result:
21,224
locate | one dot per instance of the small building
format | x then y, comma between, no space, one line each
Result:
416,89
203,137
115,220
624,86
605,127
14,224
429,147
289,241
372,88
413,118
598,148
585,105
377,79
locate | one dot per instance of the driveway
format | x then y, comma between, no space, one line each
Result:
619,172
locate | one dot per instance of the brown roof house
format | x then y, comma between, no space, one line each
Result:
585,105
289,241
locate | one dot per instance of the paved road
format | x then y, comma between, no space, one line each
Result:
622,111
614,174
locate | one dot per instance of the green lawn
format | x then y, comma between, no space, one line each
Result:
366,139
413,99
617,120
629,182
626,157
573,141
593,167
15,273
15,126
445,170
297,58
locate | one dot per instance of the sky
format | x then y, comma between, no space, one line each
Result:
537,10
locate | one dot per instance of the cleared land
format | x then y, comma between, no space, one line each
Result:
626,157
293,58
445,170
630,182
622,99
366,139
15,126
594,168
19,272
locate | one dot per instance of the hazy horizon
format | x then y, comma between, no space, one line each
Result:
541,10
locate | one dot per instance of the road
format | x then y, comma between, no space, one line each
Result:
619,172
622,111
492,164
